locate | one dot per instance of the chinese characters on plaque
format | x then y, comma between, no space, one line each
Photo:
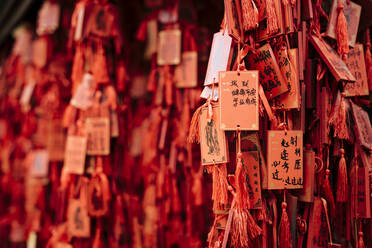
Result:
271,77
98,131
355,63
285,160
239,100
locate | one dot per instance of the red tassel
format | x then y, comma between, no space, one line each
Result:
327,191
341,32
244,227
272,19
338,118
361,242
342,179
100,69
77,68
242,195
219,188
194,136
285,231
250,15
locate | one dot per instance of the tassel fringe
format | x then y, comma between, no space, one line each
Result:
342,179
341,32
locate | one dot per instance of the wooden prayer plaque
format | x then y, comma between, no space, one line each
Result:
40,162
363,194
356,64
78,220
352,13
251,164
307,193
251,142
75,153
271,77
98,132
169,47
234,19
186,74
318,235
239,100
285,159
56,141
288,66
335,64
363,126
213,144
218,57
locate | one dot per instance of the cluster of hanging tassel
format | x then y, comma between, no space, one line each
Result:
341,31
250,15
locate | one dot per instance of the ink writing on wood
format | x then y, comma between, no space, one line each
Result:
285,160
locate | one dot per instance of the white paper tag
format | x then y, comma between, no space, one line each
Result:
27,93
31,241
219,56
40,163
79,24
83,97
207,92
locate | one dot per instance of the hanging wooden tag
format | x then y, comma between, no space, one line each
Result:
238,100
75,153
271,77
234,19
363,126
78,220
213,144
307,193
356,64
251,142
352,13
251,164
363,194
40,52
288,66
285,159
83,97
186,74
152,35
40,162
169,47
318,234
335,64
98,133
218,57
48,18
56,139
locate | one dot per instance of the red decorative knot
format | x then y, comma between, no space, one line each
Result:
360,234
284,205
327,172
239,155
342,151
